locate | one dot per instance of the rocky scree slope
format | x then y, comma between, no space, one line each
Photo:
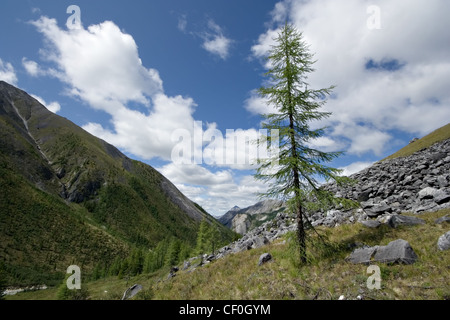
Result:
416,183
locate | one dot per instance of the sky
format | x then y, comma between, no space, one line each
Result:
173,83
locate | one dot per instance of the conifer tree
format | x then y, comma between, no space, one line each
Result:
202,237
173,252
294,173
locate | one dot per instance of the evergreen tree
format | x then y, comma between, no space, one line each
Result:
173,252
202,238
64,293
135,262
293,174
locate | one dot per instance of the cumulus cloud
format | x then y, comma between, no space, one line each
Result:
52,106
102,67
215,42
394,77
7,73
31,67
217,192
355,167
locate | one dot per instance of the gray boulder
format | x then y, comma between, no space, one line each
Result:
443,219
441,198
400,220
371,223
429,193
259,242
378,209
444,241
266,257
186,265
398,251
132,291
362,255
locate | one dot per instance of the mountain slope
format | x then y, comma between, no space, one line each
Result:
69,196
243,220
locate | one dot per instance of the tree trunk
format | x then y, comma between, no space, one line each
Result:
301,235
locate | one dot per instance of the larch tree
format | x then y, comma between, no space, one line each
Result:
294,173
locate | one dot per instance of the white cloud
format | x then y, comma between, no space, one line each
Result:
355,167
257,104
182,23
217,192
101,66
370,103
100,63
7,73
52,106
31,67
195,174
215,42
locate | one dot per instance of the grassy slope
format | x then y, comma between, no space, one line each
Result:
327,277
440,134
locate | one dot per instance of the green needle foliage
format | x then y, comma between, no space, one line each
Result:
293,174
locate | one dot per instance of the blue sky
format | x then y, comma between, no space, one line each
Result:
135,73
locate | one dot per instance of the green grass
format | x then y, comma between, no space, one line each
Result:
327,276
440,134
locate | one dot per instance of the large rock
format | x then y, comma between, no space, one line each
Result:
371,223
259,242
441,198
444,219
266,257
429,193
132,291
400,220
362,255
444,242
398,251
378,209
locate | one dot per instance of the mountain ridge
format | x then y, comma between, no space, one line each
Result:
59,183
242,220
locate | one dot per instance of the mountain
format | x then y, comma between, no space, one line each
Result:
243,220
68,197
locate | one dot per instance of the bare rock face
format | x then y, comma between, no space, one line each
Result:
242,220
240,224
